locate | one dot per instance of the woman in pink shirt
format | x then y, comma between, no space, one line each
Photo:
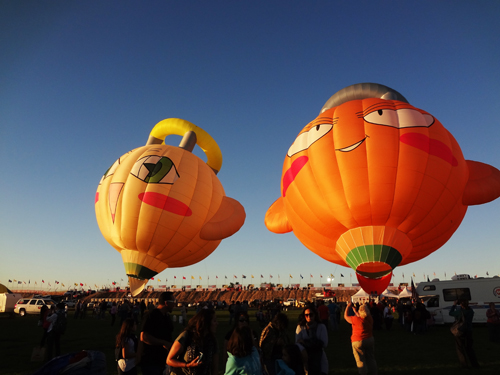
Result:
363,343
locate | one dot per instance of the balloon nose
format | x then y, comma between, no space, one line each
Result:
136,285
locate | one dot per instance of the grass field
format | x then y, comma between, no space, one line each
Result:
397,351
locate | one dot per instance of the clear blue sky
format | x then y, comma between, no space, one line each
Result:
82,83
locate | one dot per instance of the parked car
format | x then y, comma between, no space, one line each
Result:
289,302
31,305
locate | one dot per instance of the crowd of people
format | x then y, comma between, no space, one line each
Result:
246,352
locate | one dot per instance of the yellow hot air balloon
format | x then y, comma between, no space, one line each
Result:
162,206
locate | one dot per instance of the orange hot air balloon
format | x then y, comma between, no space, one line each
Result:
374,183
162,206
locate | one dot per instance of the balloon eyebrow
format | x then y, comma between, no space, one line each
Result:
377,106
321,120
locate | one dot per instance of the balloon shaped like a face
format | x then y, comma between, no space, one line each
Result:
375,183
162,206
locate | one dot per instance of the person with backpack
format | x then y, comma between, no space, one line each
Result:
57,319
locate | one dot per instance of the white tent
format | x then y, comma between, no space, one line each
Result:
405,293
361,297
388,294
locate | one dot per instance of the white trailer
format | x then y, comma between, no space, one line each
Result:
8,301
439,296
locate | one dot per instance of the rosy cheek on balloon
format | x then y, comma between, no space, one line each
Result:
165,203
290,174
431,146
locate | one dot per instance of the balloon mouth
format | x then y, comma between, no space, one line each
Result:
138,271
374,261
371,285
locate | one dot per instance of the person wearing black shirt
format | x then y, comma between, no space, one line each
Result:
156,336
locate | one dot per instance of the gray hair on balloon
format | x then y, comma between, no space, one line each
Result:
360,91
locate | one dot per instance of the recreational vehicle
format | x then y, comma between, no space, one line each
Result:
8,301
439,296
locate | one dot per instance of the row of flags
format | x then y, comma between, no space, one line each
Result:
49,284
243,277
36,282
331,276
159,280
290,276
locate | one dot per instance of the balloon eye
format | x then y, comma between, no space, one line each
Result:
401,118
111,170
306,139
155,169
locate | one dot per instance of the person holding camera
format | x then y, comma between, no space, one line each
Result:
195,350
363,343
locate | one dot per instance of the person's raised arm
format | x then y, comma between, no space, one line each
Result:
346,311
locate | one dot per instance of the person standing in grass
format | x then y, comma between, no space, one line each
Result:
57,328
156,335
126,344
272,341
332,311
312,338
244,358
363,343
44,323
195,351
323,312
113,311
493,323
388,317
463,343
